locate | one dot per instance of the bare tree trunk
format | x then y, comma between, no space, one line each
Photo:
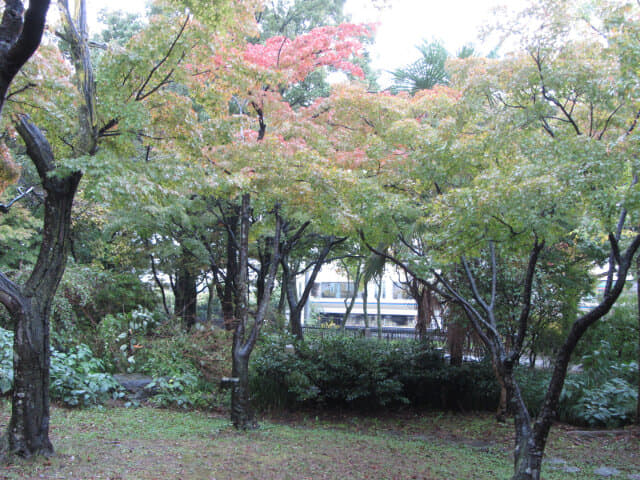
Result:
379,279
28,432
245,335
503,412
186,295
295,305
365,301
211,299
348,309
242,415
638,299
20,35
456,334
426,301
226,292
30,306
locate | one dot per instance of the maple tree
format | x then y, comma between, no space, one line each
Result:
88,132
519,166
214,164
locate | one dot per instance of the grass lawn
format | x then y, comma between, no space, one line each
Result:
146,443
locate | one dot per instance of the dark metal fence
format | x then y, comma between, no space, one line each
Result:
387,333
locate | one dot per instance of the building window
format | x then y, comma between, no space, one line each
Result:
332,290
400,293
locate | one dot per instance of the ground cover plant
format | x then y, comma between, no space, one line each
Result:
148,443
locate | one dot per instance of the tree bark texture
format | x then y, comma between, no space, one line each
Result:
295,305
30,305
242,414
227,290
76,34
456,335
186,296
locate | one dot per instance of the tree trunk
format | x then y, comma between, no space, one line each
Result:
455,341
282,301
638,299
211,301
379,305
503,412
365,300
528,462
295,305
242,415
227,291
424,301
349,305
28,432
30,306
186,296
20,36
245,335
529,447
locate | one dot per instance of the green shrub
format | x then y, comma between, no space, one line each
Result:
6,361
184,391
365,373
120,336
77,377
186,367
610,403
87,294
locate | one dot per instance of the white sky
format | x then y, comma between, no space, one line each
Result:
403,24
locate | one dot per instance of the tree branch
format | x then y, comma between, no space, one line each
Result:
141,95
5,208
526,297
19,38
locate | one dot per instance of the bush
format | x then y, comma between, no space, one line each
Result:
77,377
87,294
6,361
120,336
611,403
186,367
604,394
365,373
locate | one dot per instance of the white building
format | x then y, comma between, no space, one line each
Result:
332,293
